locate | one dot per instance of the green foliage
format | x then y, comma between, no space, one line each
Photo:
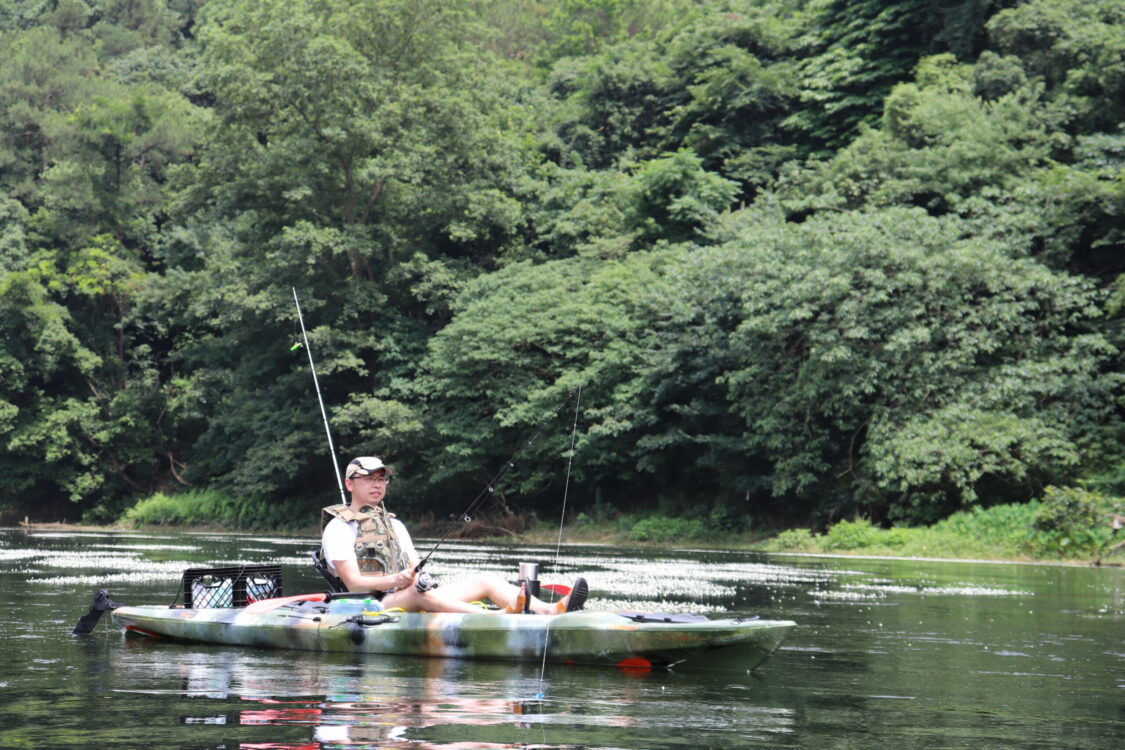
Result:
581,27
842,341
675,198
850,535
486,207
791,540
718,83
543,32
1076,48
862,49
362,154
720,523
999,532
664,529
398,135
670,198
109,159
1067,523
43,76
208,508
939,146
1073,522
1001,528
513,358
728,519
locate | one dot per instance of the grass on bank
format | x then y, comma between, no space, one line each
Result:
1065,524
213,509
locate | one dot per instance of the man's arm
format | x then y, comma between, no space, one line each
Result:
349,573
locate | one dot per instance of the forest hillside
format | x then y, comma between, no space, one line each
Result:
784,260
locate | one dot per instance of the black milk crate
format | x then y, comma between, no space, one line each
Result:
230,587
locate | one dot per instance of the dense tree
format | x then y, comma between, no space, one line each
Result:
1077,49
939,146
87,156
721,86
359,153
860,50
489,206
85,417
885,358
510,366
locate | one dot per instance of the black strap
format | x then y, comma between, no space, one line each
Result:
335,585
662,617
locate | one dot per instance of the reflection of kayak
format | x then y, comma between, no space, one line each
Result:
312,624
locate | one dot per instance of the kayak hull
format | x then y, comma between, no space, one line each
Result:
575,637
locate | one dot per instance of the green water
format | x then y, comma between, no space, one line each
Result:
887,654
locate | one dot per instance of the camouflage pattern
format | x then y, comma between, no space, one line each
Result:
349,625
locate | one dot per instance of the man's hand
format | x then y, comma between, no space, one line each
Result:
402,579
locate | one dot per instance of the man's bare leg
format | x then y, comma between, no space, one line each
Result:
455,597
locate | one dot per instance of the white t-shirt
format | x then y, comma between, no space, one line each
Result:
338,541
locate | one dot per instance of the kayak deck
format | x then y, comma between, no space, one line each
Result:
577,637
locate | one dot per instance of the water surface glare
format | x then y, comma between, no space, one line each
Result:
887,654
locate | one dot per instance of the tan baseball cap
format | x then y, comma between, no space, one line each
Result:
364,465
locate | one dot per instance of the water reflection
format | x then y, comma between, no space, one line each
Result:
340,701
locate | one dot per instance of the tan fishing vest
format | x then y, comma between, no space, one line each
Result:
377,550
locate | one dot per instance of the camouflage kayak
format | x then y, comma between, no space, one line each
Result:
313,624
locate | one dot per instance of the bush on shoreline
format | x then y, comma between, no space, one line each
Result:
209,508
1066,523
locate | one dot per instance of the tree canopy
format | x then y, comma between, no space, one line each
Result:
792,259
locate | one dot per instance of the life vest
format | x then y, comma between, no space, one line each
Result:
377,549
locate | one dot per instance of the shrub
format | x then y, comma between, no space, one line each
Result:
1000,528
1072,522
207,508
848,535
793,540
726,519
665,529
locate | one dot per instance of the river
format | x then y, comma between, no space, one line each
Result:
887,654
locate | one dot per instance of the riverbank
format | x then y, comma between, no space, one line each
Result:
1067,526
611,538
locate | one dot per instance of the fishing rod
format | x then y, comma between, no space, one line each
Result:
562,521
478,501
466,516
320,399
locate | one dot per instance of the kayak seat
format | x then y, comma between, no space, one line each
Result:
335,585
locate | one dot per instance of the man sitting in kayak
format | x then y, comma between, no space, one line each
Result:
369,549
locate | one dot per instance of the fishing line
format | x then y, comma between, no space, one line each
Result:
319,398
566,485
466,516
562,521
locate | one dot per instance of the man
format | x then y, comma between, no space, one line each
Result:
370,550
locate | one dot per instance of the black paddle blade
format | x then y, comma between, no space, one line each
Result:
89,621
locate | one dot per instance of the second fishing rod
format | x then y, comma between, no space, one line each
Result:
464,517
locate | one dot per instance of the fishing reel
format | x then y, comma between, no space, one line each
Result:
425,582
